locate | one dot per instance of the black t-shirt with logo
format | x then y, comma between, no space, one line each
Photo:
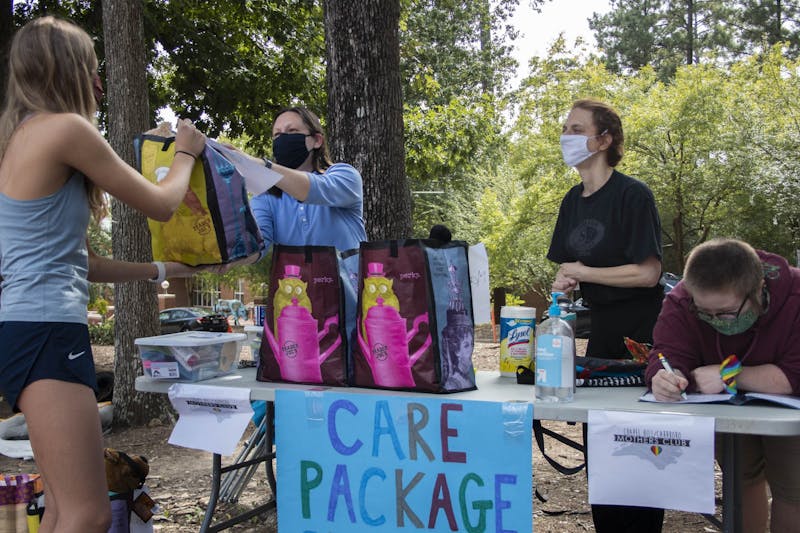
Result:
617,225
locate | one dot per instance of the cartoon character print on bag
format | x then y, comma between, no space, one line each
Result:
377,286
290,288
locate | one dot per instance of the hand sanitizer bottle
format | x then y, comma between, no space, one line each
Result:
555,357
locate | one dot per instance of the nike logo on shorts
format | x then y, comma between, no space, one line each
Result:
72,356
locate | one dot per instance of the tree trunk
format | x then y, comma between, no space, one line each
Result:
6,33
487,47
690,31
136,308
365,107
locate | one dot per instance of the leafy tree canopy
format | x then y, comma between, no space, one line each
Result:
665,34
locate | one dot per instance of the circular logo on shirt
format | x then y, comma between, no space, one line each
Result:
586,236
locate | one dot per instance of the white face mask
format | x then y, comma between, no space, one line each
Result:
575,149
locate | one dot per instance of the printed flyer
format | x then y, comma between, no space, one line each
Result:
650,460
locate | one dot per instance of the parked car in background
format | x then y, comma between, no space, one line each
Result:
178,319
669,280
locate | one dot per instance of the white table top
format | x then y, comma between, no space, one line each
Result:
752,419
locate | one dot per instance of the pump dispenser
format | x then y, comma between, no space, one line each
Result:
555,357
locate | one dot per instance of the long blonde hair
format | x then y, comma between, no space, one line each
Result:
51,66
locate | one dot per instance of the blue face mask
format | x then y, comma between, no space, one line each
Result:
289,149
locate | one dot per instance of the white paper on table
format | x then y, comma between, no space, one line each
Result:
210,418
479,281
257,177
690,398
651,460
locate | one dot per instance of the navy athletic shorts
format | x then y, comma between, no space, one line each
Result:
30,351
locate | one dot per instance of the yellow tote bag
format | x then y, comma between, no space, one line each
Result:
213,224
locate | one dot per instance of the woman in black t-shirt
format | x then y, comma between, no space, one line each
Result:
608,239
608,234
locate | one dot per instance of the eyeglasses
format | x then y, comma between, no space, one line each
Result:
723,315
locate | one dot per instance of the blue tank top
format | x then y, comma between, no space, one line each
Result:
43,257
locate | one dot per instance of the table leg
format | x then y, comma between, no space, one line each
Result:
216,473
217,470
270,434
731,484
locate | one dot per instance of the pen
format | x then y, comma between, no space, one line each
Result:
668,368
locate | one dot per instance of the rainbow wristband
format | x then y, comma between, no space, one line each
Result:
728,370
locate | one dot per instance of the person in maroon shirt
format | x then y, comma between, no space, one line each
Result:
734,300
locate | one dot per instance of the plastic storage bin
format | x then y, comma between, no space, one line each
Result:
254,334
191,355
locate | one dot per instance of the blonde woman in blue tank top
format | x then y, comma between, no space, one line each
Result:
54,167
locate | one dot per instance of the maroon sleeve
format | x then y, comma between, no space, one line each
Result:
676,336
789,355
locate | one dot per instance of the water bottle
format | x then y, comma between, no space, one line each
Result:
555,357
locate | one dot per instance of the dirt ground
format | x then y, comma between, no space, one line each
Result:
180,478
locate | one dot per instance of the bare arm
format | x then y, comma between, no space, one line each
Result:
80,146
105,270
764,378
295,183
644,274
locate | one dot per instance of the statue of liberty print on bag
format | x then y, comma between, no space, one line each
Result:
415,328
458,336
302,340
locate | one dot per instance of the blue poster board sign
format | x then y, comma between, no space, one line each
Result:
350,463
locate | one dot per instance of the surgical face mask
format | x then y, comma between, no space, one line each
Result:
575,149
289,149
734,326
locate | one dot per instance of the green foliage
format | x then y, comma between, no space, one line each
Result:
765,23
257,276
665,35
100,305
449,151
257,56
455,48
717,146
102,334
456,60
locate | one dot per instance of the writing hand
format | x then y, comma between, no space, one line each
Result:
667,387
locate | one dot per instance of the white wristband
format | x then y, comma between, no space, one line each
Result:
162,272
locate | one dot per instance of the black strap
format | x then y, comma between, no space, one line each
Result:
539,432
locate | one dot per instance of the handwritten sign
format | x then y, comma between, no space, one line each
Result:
479,281
360,462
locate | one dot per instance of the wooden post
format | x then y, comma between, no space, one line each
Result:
498,301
